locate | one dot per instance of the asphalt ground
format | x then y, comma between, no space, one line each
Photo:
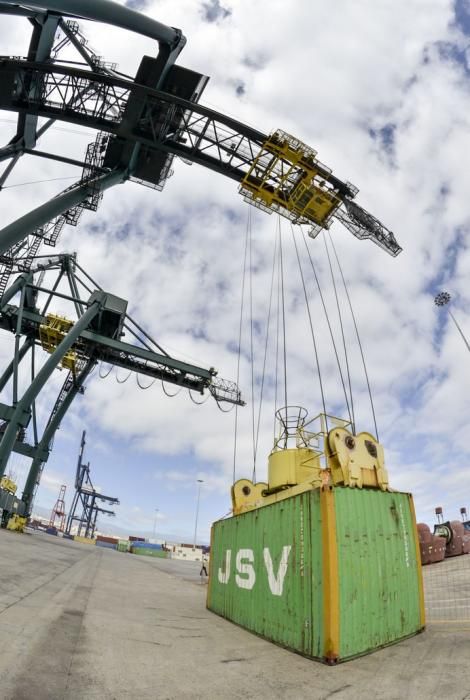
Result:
79,622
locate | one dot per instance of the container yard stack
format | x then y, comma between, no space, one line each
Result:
107,542
323,559
148,550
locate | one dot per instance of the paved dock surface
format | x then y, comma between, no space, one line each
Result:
79,623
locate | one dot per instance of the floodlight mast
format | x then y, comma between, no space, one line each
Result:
144,123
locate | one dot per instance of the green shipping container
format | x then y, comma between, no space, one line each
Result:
161,553
331,573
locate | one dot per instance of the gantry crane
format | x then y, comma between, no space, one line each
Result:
143,123
95,336
85,509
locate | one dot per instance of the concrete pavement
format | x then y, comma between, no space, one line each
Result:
80,623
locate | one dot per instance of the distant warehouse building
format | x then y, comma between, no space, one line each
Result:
186,551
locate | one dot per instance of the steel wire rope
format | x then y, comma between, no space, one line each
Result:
198,403
329,327
228,410
242,302
123,381
353,316
168,393
338,307
103,376
283,324
37,182
278,307
268,322
310,322
250,291
144,387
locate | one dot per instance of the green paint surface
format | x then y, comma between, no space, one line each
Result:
377,568
160,553
286,610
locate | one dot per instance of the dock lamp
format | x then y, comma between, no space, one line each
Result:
442,299
199,481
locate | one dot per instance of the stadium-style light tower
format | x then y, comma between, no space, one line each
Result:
442,299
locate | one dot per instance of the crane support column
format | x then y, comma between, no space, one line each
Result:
17,230
16,287
23,407
28,343
53,424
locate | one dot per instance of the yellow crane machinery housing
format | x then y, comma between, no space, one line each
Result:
355,461
8,484
51,335
286,177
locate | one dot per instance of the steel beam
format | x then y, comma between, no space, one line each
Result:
110,13
23,406
17,230
48,435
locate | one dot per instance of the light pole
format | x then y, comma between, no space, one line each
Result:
442,299
199,481
155,524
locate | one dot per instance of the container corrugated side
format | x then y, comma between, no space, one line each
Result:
261,572
378,570
143,551
331,573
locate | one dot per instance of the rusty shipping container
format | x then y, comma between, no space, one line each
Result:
331,573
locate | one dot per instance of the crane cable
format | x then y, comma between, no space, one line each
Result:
268,324
144,387
338,307
250,291
329,326
283,316
242,301
310,322
353,316
103,376
123,381
168,393
278,307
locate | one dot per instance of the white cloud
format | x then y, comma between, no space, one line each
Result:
332,79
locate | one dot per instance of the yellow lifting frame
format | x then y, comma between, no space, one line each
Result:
285,177
51,335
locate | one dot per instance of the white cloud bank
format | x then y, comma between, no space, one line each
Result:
369,85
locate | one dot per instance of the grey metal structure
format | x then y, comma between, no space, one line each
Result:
85,509
95,336
143,123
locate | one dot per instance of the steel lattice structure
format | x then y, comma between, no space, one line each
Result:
85,509
78,345
143,123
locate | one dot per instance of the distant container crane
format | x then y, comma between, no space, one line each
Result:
85,509
57,518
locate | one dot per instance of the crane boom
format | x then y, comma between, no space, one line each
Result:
275,172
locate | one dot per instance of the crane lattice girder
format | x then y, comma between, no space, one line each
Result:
130,357
277,172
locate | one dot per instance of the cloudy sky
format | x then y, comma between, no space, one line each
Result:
382,92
